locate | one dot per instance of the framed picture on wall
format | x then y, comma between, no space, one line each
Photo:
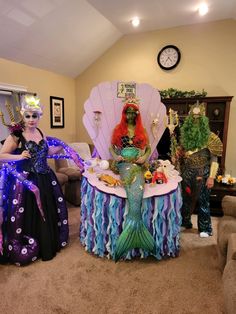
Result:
126,90
57,112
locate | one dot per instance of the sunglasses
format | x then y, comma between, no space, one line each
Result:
34,116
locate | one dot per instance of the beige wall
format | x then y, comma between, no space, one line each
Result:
45,84
208,61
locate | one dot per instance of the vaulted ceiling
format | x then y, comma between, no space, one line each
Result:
66,36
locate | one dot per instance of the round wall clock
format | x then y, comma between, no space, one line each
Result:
168,57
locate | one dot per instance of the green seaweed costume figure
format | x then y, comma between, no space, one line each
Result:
130,149
198,168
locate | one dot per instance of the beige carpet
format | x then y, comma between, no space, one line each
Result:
77,282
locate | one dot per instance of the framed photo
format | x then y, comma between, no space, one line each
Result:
57,112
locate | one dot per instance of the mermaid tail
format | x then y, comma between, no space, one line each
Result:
135,233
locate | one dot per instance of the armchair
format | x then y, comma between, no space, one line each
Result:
226,226
226,247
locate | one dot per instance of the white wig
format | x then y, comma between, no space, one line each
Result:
31,103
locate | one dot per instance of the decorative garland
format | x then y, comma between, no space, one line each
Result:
176,93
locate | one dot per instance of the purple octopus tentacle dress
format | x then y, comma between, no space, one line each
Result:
27,236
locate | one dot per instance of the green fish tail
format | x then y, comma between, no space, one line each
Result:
134,235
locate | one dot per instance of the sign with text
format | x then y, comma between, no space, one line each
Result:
126,90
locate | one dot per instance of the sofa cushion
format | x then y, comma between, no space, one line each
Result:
62,178
229,281
72,173
82,149
229,205
226,226
60,163
221,259
231,251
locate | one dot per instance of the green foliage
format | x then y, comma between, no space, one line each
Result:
176,93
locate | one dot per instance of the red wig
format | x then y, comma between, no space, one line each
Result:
140,139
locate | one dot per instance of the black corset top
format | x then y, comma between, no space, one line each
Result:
38,151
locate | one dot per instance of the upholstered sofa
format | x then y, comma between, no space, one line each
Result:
226,245
63,179
72,186
68,168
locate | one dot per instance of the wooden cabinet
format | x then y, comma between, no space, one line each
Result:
217,193
217,110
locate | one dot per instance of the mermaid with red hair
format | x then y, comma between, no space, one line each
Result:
140,137
130,148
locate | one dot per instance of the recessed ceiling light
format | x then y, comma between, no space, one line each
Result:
135,22
203,9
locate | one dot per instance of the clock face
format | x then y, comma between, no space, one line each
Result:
168,57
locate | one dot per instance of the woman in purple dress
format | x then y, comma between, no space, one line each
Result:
35,218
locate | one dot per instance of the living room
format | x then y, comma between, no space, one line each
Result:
68,284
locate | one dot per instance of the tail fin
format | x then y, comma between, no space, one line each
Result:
135,235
